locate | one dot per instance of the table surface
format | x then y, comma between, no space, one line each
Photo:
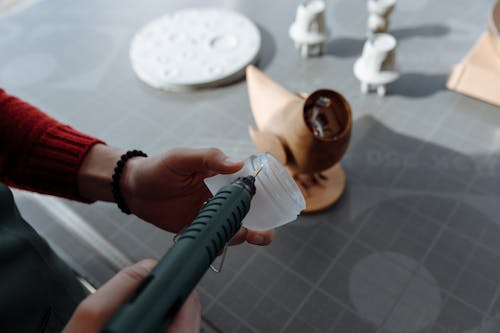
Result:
412,246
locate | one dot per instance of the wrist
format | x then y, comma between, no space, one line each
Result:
120,183
128,180
96,171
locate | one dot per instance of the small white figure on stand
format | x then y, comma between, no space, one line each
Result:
377,65
309,31
378,20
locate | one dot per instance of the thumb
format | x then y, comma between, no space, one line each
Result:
188,319
97,309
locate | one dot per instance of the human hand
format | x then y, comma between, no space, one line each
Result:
97,309
168,189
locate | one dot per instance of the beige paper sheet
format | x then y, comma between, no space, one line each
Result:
478,75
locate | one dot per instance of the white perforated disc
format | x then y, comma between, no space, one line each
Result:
195,48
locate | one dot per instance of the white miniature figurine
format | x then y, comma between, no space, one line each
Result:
377,65
378,20
309,31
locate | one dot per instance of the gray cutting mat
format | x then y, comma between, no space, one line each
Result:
414,244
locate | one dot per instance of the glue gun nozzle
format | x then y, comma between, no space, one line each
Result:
257,171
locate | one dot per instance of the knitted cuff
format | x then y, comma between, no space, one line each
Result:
54,162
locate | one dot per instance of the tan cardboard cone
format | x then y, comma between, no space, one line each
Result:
268,100
282,130
494,27
478,74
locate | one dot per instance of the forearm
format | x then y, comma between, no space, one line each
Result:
37,152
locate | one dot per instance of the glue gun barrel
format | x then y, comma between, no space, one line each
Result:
162,293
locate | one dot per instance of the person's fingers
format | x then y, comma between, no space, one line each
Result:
97,309
187,161
252,237
260,237
239,237
188,318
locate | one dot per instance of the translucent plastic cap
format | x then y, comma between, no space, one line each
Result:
278,199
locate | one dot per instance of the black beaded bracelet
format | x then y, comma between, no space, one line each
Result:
115,180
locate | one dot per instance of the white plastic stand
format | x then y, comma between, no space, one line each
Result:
377,65
378,20
309,31
195,48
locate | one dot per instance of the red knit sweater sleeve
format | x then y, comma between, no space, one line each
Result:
37,152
